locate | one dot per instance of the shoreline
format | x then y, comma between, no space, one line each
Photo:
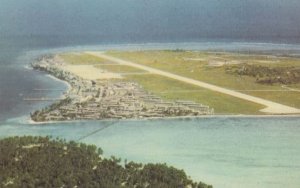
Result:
270,107
88,99
69,88
31,122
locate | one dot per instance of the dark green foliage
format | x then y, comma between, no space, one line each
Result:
46,162
267,75
40,115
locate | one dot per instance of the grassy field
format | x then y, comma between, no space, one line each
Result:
171,89
86,59
199,66
81,59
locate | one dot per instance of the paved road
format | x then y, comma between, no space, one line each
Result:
271,107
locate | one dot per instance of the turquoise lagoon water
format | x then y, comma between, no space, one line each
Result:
228,152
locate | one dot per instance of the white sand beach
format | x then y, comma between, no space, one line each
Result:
90,72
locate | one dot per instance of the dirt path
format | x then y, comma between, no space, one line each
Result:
290,89
271,107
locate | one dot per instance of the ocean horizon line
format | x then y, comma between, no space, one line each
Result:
201,46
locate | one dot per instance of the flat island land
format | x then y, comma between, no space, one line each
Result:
171,83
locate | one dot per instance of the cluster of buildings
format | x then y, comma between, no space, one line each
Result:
108,99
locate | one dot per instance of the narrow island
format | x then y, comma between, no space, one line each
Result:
97,94
170,83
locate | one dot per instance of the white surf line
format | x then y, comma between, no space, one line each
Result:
271,107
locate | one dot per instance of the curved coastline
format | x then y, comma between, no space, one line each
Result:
182,118
69,88
86,99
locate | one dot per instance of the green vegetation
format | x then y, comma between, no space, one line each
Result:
44,162
267,75
211,67
81,59
171,89
192,64
87,59
40,115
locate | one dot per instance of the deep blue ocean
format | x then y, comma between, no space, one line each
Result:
224,151
227,152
